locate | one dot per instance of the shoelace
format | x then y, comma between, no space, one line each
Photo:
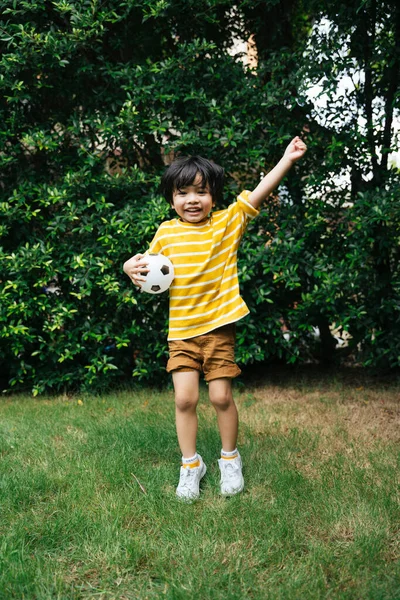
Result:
230,470
186,476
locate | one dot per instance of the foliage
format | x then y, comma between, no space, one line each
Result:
98,97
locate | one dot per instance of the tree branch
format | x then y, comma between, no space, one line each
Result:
393,84
369,42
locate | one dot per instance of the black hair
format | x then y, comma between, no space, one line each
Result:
183,171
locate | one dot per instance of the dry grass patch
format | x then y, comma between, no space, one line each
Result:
343,422
359,413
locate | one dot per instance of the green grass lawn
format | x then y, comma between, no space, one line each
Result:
319,518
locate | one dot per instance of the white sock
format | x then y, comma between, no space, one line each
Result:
229,455
193,461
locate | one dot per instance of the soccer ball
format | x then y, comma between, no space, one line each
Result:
160,275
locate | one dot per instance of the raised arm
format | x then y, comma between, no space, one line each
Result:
295,150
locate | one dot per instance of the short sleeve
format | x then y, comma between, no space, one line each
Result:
246,206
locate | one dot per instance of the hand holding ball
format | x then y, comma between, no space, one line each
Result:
160,274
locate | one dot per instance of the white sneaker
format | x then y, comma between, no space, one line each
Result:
189,481
232,481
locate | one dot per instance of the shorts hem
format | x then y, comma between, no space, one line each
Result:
182,369
223,373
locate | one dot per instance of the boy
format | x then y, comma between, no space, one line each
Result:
205,302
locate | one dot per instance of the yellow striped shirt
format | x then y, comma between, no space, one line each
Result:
205,292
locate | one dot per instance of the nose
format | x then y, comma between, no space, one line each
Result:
192,198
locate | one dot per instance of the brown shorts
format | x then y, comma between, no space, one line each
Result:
212,353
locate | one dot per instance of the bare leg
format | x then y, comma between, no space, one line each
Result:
186,385
220,393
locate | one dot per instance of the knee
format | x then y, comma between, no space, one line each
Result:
221,400
186,402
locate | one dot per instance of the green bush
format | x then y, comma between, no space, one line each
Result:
96,99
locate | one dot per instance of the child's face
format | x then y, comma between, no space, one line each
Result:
194,202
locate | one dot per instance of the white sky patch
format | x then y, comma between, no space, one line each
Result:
327,104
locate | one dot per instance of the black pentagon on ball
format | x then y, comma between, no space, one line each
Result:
155,288
165,270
